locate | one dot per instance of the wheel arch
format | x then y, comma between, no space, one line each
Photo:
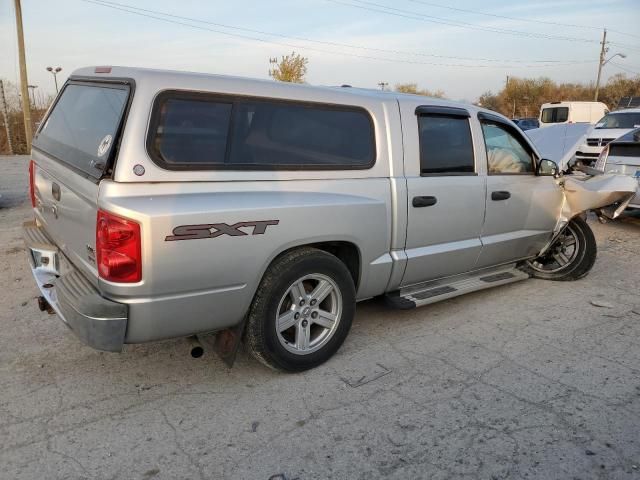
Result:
346,251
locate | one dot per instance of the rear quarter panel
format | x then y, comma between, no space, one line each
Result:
206,284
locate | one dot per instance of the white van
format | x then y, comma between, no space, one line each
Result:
571,112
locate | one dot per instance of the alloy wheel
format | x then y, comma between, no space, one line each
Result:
308,314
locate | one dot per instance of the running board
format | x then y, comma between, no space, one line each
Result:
437,290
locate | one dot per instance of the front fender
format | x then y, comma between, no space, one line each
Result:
608,192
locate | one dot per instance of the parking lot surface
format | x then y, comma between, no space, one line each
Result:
531,380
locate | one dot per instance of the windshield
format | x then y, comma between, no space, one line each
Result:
83,124
620,120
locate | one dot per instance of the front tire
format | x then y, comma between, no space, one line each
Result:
302,311
571,257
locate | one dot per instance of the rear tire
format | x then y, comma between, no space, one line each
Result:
571,257
302,311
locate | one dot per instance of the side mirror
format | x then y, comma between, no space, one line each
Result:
547,168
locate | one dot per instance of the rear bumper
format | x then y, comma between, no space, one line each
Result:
98,322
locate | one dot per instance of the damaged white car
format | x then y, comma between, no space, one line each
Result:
622,157
171,204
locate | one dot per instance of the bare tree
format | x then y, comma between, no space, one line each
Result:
14,119
291,68
413,88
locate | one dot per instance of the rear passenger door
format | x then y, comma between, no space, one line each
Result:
522,208
445,193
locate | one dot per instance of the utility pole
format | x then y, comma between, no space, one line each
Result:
32,88
26,108
272,61
5,117
603,52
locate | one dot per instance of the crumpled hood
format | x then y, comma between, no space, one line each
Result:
609,192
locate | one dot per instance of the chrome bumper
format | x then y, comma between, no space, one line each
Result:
98,322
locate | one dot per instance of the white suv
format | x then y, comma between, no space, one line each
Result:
613,125
622,157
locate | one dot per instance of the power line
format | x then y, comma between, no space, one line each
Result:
398,12
380,8
334,44
132,10
621,67
519,19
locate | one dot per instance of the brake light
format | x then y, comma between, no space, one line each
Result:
118,248
32,186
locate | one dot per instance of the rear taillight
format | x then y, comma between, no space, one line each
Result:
32,186
118,248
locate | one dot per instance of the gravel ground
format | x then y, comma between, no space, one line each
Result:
529,380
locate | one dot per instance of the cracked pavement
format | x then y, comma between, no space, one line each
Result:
525,381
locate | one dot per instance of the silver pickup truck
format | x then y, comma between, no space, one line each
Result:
170,204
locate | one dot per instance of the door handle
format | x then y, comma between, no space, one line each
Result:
500,195
420,202
55,191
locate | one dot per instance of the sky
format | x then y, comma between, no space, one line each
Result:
434,43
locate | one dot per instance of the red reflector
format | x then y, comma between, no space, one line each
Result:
118,248
102,70
32,186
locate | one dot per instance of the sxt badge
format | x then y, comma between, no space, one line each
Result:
213,230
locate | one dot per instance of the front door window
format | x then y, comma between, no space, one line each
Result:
505,153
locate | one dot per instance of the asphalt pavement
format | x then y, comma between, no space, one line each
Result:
533,380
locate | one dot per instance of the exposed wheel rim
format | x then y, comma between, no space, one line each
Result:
560,255
308,314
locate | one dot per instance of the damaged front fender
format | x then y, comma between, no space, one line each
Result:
608,193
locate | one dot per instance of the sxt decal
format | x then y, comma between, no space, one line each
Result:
213,230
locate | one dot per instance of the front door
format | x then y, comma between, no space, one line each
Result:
445,194
522,209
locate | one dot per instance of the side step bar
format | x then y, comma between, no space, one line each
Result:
437,290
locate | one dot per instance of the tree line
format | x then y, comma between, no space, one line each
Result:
522,97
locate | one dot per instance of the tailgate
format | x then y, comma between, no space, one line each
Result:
71,152
66,206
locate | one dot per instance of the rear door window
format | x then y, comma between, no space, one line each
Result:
555,115
446,147
81,129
